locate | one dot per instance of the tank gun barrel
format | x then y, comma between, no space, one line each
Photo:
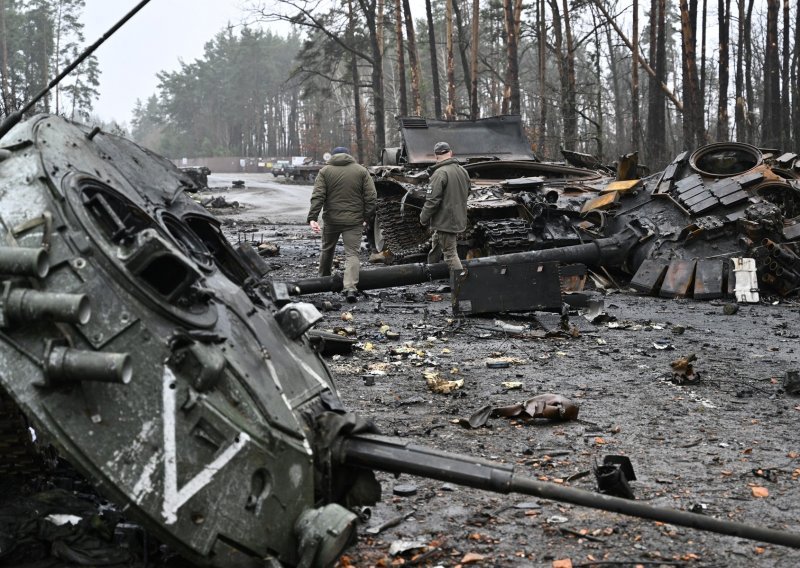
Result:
610,250
397,456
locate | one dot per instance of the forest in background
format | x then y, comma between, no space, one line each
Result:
702,72
39,38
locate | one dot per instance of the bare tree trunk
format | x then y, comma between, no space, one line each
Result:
380,27
693,134
558,46
542,75
437,97
473,94
739,117
371,15
463,45
703,59
724,12
356,93
450,111
634,81
599,79
795,86
748,72
771,127
7,105
786,127
621,130
646,66
413,59
571,124
511,92
401,59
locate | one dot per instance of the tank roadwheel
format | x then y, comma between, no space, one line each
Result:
374,234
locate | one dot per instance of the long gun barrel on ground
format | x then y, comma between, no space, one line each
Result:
395,456
608,251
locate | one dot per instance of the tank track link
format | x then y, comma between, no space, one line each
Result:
503,236
402,233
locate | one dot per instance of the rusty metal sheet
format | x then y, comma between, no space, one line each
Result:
605,201
678,279
622,186
708,279
649,276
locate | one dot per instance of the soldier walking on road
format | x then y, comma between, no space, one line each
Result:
445,206
345,193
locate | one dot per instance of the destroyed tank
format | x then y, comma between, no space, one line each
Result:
516,202
722,221
161,364
707,209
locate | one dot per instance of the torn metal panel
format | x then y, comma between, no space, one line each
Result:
514,287
649,277
709,280
678,279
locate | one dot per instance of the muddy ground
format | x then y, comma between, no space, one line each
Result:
724,444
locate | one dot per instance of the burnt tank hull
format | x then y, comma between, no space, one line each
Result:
516,202
182,394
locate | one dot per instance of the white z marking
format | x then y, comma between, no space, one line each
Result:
174,497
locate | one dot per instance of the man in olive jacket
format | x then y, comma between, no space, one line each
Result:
445,206
345,193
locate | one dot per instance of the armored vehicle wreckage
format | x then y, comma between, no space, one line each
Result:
693,221
516,201
160,363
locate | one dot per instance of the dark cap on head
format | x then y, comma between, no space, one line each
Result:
441,148
340,150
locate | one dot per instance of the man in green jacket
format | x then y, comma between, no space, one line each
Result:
445,206
345,193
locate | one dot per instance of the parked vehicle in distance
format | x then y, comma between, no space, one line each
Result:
306,172
280,168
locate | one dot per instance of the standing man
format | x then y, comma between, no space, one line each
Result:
446,205
345,193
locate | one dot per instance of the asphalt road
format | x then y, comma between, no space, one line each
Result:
263,198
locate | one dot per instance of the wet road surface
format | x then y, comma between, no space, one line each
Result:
262,196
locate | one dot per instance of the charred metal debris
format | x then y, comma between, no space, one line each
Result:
722,221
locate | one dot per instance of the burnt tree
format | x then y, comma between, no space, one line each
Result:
771,126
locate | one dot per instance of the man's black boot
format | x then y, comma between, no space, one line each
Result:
351,296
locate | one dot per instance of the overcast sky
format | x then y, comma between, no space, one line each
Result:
159,36
155,39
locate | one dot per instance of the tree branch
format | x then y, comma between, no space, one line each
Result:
639,57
